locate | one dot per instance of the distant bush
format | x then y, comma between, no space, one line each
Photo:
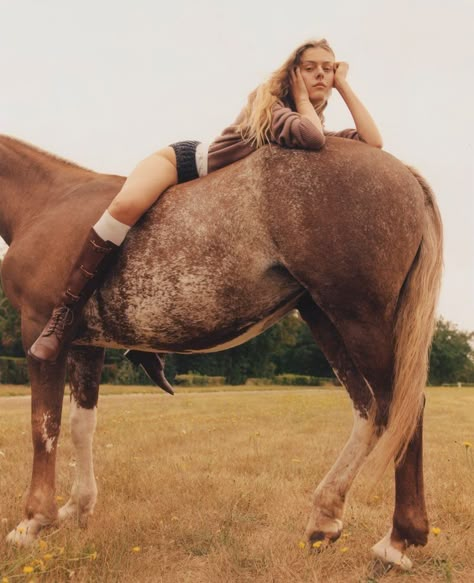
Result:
259,382
123,373
297,379
198,380
13,370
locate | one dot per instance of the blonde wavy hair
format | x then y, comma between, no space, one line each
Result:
255,124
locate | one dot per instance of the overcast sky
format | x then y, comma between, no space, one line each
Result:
105,82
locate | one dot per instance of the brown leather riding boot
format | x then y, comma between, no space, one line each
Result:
82,282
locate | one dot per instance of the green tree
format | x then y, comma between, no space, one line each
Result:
10,328
299,353
286,347
452,356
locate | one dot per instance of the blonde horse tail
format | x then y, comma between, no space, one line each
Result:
414,327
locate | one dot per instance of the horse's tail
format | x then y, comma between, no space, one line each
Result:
414,327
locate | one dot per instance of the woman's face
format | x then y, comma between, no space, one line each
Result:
317,70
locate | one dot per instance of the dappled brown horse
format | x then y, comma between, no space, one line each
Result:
348,235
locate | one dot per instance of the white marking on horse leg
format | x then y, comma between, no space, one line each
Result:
84,490
47,440
390,551
329,498
25,534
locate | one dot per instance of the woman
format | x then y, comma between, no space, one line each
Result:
286,110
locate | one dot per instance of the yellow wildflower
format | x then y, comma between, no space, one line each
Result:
59,498
28,569
47,556
43,545
317,544
435,530
39,563
5,580
344,549
302,544
467,444
136,549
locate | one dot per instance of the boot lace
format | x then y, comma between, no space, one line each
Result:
61,317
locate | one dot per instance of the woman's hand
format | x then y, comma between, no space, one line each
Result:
300,96
298,90
340,73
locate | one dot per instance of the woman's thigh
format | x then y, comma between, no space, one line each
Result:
151,177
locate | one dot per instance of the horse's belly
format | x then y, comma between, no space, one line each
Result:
203,308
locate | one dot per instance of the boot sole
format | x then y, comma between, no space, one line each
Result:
41,360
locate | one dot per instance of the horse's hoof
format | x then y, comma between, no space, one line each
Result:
327,533
25,534
388,553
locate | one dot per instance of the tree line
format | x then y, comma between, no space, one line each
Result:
286,348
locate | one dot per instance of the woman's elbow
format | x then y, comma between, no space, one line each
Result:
375,143
317,142
375,140
321,142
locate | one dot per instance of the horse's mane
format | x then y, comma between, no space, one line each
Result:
22,148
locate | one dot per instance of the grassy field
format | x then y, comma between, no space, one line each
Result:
216,487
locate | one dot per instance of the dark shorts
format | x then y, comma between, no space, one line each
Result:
186,160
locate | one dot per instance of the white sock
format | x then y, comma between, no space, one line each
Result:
109,229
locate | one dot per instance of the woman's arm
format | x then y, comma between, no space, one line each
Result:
292,129
363,120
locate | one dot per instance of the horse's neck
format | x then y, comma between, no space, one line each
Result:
27,176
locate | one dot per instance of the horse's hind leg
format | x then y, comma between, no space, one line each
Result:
325,521
85,368
410,520
47,391
369,342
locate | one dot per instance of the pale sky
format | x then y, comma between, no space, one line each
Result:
105,82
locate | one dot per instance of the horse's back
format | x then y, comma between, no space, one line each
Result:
235,248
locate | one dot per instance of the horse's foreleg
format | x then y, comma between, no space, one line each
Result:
410,520
47,391
85,367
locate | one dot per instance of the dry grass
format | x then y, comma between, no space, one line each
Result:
215,488
23,390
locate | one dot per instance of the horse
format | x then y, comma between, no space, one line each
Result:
349,236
